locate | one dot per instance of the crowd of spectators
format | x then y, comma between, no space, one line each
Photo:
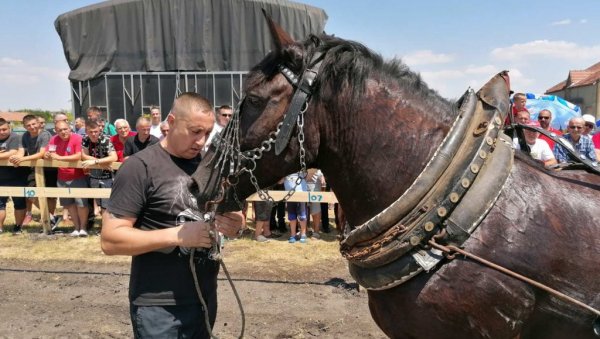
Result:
579,134
93,141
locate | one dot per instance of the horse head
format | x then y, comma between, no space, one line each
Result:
308,104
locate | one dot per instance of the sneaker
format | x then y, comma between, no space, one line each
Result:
292,240
83,233
303,239
54,222
27,219
316,235
17,229
75,233
261,238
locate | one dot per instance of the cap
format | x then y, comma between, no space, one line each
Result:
589,118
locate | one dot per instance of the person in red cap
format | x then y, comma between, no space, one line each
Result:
539,149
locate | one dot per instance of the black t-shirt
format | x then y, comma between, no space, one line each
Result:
152,186
134,145
98,150
8,172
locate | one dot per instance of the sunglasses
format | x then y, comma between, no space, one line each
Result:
227,115
589,125
543,118
576,127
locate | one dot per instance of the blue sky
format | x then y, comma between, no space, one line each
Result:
452,44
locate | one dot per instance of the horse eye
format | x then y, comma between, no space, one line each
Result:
254,100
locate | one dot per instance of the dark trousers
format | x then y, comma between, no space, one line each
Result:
181,321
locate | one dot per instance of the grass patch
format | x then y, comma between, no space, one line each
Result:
276,257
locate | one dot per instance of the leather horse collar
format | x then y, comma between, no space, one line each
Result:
451,196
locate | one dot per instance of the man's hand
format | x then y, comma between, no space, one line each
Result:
88,163
230,223
15,160
194,234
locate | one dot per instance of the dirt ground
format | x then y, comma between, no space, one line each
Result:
88,300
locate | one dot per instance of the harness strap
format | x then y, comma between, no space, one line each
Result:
300,98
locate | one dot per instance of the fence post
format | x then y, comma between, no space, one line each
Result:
40,182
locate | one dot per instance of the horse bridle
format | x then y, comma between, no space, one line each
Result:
227,145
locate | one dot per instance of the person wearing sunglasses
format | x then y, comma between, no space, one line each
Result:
581,143
223,115
545,119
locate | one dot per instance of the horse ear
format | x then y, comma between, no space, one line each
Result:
281,37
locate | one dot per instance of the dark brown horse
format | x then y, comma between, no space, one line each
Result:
372,127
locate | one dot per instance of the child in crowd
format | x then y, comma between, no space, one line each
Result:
296,210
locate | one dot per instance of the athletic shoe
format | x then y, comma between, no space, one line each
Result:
17,230
83,233
292,240
75,233
303,239
261,238
316,235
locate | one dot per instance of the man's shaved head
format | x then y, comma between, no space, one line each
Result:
190,102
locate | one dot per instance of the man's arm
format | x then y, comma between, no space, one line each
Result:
72,157
7,154
119,237
20,156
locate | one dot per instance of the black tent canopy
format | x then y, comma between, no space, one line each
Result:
177,35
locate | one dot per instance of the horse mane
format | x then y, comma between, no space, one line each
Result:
346,67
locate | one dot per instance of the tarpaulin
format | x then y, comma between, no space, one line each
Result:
177,35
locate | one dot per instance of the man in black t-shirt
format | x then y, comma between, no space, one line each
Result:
9,176
152,216
96,149
140,141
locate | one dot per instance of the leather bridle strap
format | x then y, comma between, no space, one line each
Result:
301,97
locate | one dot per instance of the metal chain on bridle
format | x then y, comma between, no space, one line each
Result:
231,162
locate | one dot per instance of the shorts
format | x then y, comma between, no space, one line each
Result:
19,202
262,210
77,183
315,207
101,183
50,177
296,210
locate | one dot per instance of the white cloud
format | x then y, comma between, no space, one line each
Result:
25,85
10,62
548,49
561,22
426,57
486,69
17,71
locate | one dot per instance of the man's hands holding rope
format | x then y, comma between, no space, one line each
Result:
197,233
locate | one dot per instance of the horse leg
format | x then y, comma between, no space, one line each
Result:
460,300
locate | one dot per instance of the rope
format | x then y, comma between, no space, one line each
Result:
450,251
203,302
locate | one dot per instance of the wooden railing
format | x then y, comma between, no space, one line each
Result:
42,192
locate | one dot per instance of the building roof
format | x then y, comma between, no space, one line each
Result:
12,116
577,78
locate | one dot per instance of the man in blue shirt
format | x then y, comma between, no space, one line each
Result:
582,143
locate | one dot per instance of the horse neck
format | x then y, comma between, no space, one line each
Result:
372,154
